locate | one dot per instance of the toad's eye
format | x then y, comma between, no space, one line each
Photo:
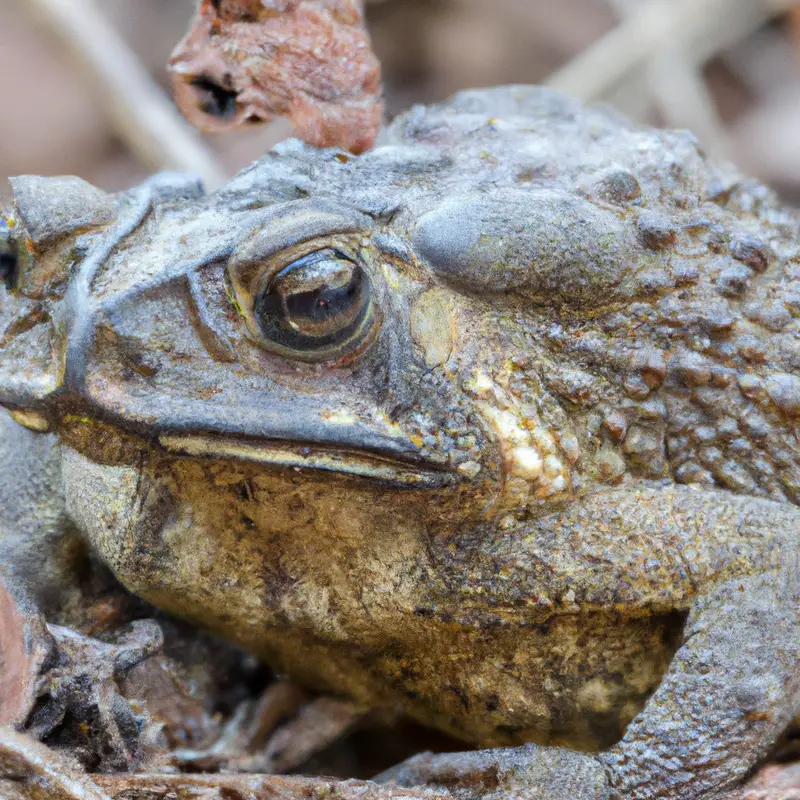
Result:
317,307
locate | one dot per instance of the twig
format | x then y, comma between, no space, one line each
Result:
678,89
658,25
38,772
259,787
142,115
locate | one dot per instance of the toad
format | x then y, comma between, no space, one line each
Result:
496,423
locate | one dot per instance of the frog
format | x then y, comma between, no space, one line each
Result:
496,423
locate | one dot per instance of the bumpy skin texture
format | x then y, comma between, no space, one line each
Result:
548,498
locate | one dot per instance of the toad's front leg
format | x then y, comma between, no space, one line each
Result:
730,691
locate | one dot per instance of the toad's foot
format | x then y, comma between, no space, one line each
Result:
282,731
535,773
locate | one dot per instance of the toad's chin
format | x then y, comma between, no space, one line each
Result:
249,551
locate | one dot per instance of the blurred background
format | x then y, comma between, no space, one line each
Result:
727,69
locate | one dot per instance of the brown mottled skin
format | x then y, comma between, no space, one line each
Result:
534,479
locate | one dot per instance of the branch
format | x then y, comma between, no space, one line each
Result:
258,787
675,81
142,115
30,770
658,25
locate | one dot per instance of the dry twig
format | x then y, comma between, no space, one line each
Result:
658,25
31,771
142,115
678,89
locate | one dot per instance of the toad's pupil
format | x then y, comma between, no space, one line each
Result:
322,302
317,296
320,298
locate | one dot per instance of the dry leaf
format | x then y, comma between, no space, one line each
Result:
249,61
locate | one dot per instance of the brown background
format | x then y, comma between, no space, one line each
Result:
52,121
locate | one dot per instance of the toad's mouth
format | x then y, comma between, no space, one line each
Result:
299,456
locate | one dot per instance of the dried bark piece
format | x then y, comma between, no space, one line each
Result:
316,726
250,727
25,647
80,706
772,783
282,730
249,61
254,787
30,770
125,702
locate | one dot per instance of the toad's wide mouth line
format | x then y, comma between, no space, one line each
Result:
300,456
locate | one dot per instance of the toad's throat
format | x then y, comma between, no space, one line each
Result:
302,456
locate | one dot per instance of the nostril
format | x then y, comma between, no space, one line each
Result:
9,260
8,269
213,99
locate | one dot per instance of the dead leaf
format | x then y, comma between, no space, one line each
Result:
246,62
